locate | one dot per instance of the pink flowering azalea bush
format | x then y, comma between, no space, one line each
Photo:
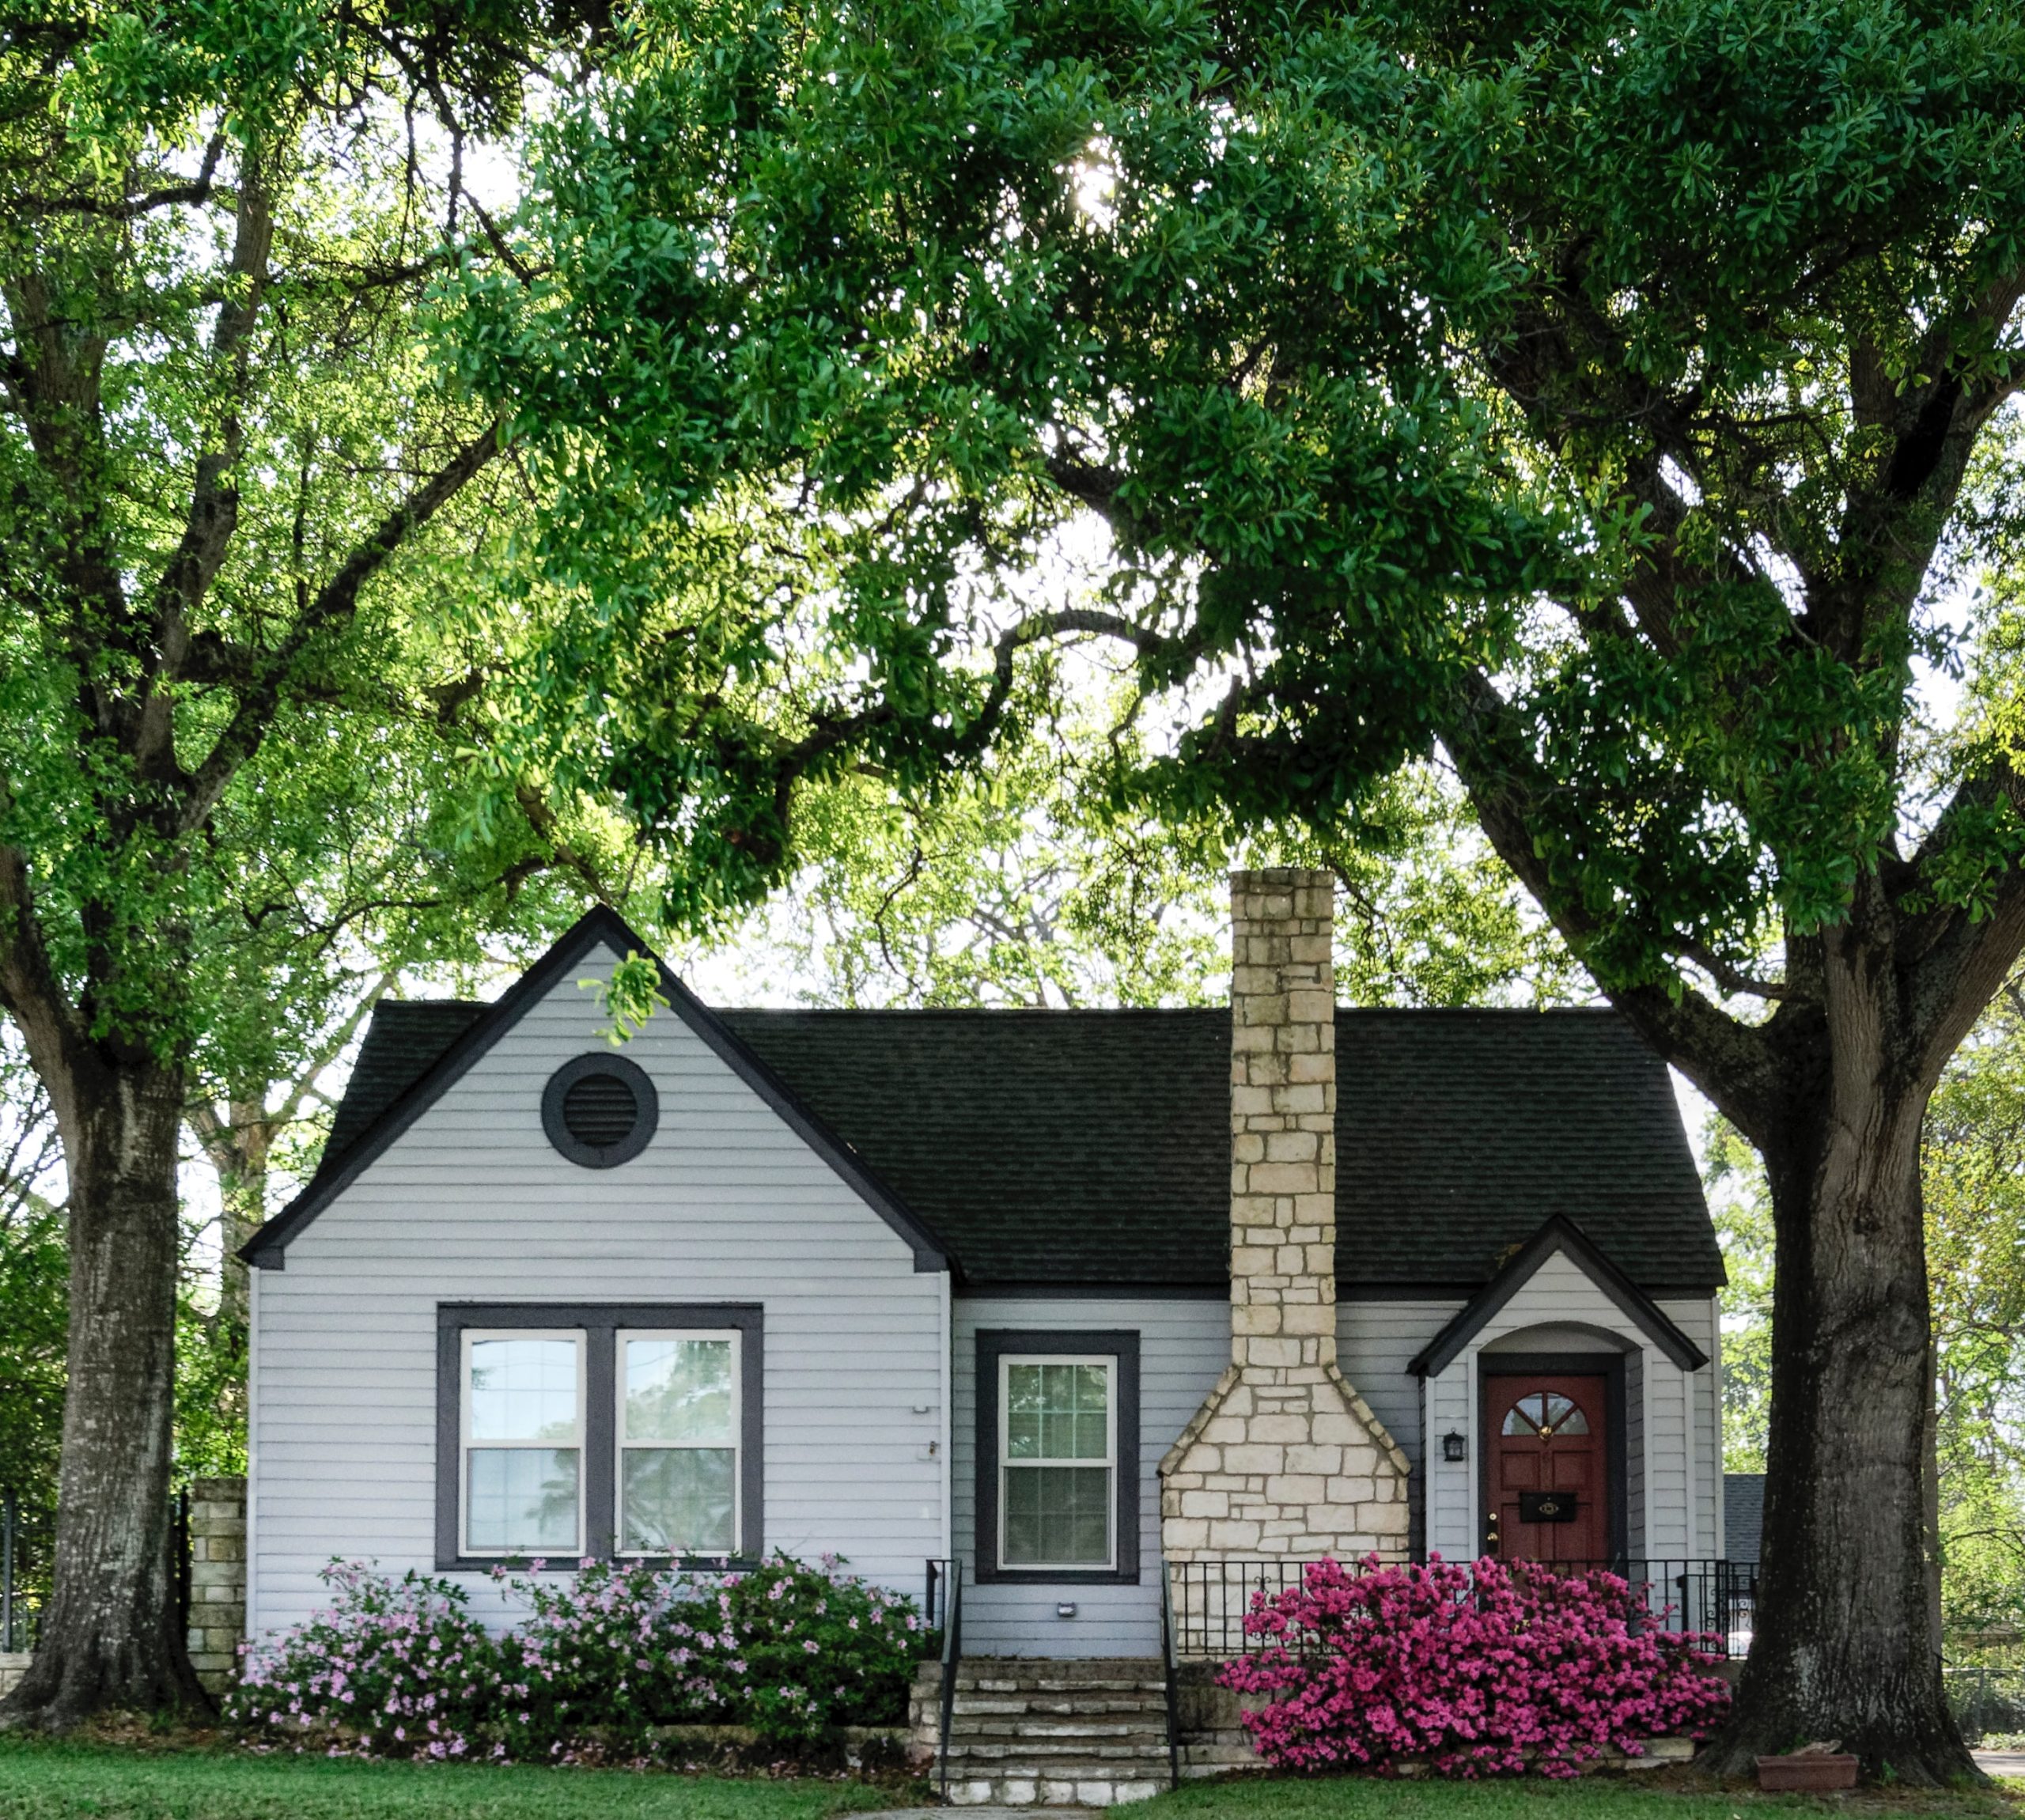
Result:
1479,1671
787,1648
399,1667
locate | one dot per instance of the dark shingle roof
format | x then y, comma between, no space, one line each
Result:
405,1036
1093,1149
1743,1514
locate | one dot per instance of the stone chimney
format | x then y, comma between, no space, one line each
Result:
1284,1459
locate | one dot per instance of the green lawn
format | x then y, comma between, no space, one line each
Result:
1592,1798
67,1781
60,1781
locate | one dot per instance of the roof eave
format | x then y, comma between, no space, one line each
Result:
1557,1233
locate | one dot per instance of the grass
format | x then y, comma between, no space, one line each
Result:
45,1780
1669,1796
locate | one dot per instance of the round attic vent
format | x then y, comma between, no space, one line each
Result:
599,1110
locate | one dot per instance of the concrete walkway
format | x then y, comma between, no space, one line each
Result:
2009,1764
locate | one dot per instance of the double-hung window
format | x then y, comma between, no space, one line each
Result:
678,1444
1058,1452
597,1430
523,1424
1058,1456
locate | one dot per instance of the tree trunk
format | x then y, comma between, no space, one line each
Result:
1845,1639
110,1636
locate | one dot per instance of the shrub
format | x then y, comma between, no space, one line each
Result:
399,1667
1477,1670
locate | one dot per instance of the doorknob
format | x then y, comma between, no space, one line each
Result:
1490,1530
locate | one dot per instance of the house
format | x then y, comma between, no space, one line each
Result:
1057,1296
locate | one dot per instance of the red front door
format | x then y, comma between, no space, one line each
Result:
1549,1482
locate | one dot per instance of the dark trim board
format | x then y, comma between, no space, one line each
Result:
268,1247
1610,1367
601,1322
1557,1233
1121,1344
973,1292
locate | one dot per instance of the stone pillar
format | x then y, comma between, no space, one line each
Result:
217,1580
1285,1461
1283,1127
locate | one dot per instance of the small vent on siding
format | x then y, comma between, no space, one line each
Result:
600,1110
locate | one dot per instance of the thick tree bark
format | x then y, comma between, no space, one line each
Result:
1846,1642
109,1636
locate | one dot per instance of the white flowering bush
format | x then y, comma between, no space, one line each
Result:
398,1667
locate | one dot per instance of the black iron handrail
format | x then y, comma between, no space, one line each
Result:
1212,1598
953,1657
1171,1667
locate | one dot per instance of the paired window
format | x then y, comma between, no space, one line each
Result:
1058,1456
607,1430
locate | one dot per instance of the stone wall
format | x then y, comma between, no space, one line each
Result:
1284,1458
217,1579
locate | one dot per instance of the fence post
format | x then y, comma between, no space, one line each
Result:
7,1575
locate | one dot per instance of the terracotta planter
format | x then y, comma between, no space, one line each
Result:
1806,1775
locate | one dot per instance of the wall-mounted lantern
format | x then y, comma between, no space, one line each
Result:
1454,1446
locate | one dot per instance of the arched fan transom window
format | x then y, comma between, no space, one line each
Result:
1545,1413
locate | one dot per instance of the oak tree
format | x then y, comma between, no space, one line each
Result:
1615,399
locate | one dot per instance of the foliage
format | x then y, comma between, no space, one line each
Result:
34,1269
400,1668
400,1664
1480,1671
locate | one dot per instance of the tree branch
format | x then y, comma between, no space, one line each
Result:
337,600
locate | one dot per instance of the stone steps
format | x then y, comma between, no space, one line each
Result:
1031,1732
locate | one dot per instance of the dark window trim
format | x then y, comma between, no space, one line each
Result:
601,1322
1122,1344
1610,1367
594,1156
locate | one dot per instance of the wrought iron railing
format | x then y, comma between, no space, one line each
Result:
1212,1598
1170,1674
952,1660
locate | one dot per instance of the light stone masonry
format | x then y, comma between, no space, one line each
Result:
217,1580
1284,1459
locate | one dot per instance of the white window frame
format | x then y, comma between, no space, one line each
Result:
620,1444
1007,1463
466,1444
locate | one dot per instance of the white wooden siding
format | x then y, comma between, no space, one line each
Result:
1184,1344
471,1203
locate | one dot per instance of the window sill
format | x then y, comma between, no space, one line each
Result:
985,1574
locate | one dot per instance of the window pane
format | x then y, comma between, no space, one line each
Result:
678,1390
1057,1411
521,1498
524,1391
1057,1516
678,1501
1022,1411
1564,1417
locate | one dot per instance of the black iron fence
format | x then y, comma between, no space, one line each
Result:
20,1608
1986,1702
1212,1598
